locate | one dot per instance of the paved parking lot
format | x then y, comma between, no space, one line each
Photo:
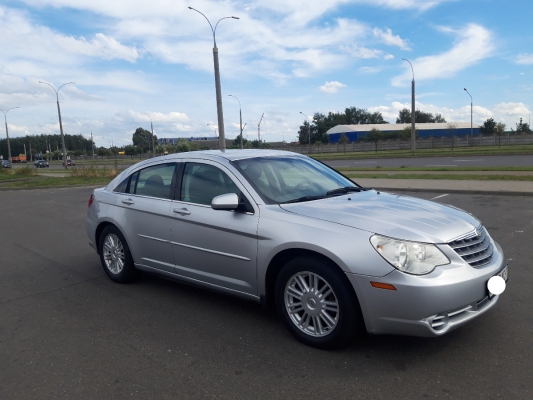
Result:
67,331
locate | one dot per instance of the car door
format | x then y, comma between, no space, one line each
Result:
143,209
217,247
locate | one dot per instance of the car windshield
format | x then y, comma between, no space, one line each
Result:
292,179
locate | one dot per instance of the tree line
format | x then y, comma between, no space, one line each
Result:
354,116
40,144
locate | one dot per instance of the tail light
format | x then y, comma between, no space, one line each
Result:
91,199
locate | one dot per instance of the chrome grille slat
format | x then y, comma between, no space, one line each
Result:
460,243
475,249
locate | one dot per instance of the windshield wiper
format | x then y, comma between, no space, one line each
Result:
346,189
303,198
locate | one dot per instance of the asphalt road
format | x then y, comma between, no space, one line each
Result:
67,331
458,161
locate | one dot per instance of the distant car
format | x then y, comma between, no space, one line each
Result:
41,164
70,163
5,164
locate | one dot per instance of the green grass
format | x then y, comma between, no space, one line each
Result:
440,169
439,152
443,177
49,182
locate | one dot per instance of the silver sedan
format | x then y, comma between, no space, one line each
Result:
288,231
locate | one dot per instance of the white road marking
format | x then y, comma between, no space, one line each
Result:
365,162
468,160
438,197
437,165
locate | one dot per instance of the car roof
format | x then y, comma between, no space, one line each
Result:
232,154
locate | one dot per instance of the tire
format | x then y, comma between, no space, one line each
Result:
327,320
115,255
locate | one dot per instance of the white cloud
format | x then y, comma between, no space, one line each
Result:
23,40
474,43
370,70
390,113
388,57
388,38
524,58
511,111
332,87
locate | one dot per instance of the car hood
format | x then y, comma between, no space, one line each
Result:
391,215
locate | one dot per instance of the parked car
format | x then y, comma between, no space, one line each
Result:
5,164
288,231
41,164
70,163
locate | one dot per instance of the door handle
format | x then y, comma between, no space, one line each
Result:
128,201
182,211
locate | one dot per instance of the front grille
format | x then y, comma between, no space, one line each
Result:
475,248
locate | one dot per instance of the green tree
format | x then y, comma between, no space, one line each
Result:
129,150
374,135
452,127
237,143
404,117
489,126
522,127
405,133
344,141
143,138
500,130
182,146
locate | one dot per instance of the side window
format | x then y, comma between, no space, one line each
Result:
202,182
153,181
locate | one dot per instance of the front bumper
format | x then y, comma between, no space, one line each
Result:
427,305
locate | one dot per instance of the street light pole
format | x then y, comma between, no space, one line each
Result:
7,134
471,115
151,127
309,130
92,143
211,126
259,128
413,128
60,123
240,118
217,80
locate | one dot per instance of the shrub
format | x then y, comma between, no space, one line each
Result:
25,171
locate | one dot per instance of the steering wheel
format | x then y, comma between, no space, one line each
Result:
303,185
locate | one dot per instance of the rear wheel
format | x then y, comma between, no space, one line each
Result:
115,255
317,303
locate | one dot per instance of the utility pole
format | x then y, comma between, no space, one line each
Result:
413,112
217,81
7,133
259,129
60,123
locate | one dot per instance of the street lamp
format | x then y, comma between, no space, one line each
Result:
217,80
259,128
413,130
309,130
240,117
471,118
59,113
214,127
92,143
152,127
7,133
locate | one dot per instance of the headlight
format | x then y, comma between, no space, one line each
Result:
410,257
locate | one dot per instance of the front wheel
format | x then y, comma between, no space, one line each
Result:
115,255
317,303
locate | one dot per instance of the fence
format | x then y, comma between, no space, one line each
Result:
397,144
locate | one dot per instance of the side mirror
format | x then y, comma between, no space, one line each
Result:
228,201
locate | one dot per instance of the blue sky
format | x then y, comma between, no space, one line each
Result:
281,57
